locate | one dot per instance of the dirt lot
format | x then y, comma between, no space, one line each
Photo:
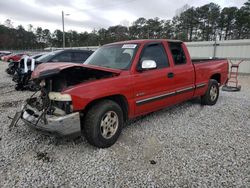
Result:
184,146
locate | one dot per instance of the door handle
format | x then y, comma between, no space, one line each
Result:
170,75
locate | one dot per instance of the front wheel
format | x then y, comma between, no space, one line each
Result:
212,93
103,123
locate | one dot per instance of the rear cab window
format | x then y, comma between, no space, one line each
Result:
178,53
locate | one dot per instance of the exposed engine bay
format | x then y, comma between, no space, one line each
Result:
71,76
51,84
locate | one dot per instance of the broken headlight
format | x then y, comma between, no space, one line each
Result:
60,103
57,96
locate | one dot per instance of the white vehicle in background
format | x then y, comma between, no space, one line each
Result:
14,65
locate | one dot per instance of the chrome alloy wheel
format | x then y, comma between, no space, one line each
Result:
213,93
109,124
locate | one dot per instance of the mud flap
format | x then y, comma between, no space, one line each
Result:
15,120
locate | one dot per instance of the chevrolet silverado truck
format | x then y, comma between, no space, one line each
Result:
118,82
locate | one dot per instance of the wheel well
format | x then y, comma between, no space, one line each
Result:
216,77
119,99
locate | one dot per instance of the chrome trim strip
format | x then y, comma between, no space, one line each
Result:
143,101
184,90
200,85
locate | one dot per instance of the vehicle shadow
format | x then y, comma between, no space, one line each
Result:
194,101
78,138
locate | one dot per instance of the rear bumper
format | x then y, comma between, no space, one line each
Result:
61,125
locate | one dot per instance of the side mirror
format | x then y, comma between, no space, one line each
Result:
148,64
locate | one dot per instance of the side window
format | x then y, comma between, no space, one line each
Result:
157,53
63,57
177,53
79,57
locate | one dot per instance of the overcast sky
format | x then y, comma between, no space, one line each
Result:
85,15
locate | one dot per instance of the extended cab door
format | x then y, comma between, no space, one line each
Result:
183,70
153,89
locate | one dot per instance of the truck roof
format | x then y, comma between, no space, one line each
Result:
142,41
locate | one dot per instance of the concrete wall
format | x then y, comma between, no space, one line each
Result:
234,50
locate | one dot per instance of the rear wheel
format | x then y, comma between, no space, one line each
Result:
103,123
212,93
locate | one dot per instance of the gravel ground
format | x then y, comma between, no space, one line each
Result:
184,146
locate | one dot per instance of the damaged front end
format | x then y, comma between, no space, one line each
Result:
51,110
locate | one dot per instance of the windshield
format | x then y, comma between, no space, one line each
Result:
37,56
45,58
117,56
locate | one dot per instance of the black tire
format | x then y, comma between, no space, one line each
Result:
210,98
18,87
33,87
10,71
94,119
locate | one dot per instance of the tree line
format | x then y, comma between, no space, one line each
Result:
205,23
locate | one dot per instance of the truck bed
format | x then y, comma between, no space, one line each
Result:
203,60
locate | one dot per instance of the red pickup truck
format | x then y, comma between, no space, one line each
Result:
118,82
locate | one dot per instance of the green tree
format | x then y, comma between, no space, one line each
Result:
57,38
8,23
46,37
242,24
208,20
154,28
139,28
187,24
167,29
227,22
39,34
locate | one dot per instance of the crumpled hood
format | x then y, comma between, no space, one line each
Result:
48,69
